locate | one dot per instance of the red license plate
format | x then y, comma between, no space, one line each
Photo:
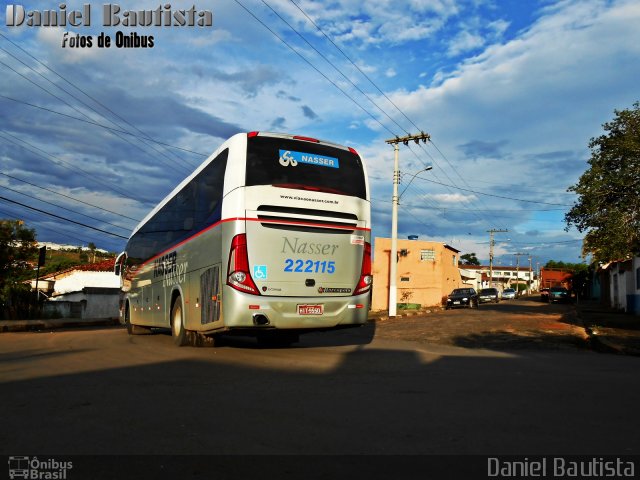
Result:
310,309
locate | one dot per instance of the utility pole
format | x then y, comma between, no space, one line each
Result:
491,244
530,277
393,257
518,272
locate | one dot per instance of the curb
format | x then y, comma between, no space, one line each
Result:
602,344
413,313
7,326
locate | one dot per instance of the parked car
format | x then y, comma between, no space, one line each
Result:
487,295
544,294
462,297
508,294
558,294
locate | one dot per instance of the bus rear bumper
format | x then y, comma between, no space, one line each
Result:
244,311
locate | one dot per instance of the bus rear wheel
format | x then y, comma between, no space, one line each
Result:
178,332
134,329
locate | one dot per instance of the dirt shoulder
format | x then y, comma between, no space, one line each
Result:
515,324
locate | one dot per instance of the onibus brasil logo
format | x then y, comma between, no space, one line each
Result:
33,468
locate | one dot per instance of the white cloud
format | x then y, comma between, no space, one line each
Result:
210,39
464,42
52,39
451,198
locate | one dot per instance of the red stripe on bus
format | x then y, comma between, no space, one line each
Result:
239,219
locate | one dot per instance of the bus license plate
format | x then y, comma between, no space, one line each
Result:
310,309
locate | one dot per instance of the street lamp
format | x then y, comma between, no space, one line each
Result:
412,177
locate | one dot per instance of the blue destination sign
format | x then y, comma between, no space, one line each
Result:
288,157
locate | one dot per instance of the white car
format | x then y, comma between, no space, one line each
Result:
508,294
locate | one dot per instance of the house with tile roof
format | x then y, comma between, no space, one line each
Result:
90,291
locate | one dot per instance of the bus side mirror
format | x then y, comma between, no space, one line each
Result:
117,268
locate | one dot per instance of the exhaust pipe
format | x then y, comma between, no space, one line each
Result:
260,320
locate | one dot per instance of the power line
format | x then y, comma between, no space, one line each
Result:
63,208
64,164
355,65
336,68
62,218
40,227
388,99
71,198
80,112
90,122
494,195
360,90
146,136
314,67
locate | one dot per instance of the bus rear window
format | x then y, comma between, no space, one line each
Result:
303,165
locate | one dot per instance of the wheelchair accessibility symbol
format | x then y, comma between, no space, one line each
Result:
260,272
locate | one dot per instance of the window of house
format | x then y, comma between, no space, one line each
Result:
455,260
428,255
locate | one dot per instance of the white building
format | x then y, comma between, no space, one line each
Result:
502,277
624,285
89,291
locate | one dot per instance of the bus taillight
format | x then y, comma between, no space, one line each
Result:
238,275
364,284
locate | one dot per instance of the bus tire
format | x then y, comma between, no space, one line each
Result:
134,329
204,341
178,332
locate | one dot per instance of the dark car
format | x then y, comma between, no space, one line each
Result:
544,294
558,294
487,295
462,297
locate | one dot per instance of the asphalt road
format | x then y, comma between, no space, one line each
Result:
360,391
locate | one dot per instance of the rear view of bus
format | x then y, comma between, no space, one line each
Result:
301,256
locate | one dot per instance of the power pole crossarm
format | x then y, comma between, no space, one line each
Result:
425,137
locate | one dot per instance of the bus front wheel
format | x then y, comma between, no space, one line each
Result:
178,332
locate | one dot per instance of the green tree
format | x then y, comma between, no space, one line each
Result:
17,245
608,206
469,259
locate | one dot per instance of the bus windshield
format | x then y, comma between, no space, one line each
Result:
287,163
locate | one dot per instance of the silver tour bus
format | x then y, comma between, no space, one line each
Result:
270,236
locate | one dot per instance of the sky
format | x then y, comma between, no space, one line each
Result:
510,93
